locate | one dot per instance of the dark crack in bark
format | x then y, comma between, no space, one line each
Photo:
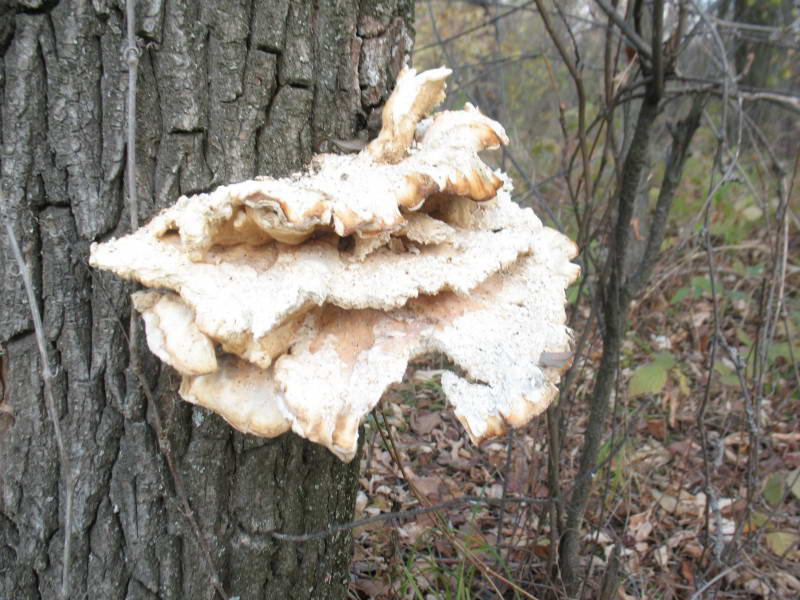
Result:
227,90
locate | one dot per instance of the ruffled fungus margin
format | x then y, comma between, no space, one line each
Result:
294,303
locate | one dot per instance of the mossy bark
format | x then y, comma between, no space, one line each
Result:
227,90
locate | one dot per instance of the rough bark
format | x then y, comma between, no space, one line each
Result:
227,89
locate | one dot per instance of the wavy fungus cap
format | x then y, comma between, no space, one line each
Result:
294,303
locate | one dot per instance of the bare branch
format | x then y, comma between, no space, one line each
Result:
50,403
486,23
658,46
132,58
630,35
682,137
578,81
407,514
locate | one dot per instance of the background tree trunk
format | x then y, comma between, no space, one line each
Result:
227,89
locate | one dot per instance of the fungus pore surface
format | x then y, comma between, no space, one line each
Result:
294,303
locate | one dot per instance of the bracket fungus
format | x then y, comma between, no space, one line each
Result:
294,303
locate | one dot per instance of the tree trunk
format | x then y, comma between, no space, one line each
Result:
227,89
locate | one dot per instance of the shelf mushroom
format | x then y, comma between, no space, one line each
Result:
294,303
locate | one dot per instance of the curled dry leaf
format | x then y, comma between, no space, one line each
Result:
294,303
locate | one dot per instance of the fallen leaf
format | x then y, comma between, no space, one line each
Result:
379,504
679,537
784,544
652,456
662,556
687,573
658,429
755,521
684,447
775,488
789,582
428,486
518,478
640,526
740,438
424,424
727,528
792,436
667,502
647,379
793,481
757,587
693,549
361,501
542,548
373,588
411,532
426,375
685,504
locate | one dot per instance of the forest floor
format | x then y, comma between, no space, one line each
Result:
690,504
697,487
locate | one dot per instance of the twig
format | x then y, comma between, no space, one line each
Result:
132,58
50,402
486,23
630,35
579,89
180,491
673,172
406,514
615,301
506,152
506,474
658,46
444,526
699,593
131,55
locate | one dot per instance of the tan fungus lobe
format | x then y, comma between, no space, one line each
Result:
294,303
342,361
227,291
414,97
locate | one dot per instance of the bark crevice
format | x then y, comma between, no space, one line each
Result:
226,91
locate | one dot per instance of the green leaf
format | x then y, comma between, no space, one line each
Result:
737,295
648,379
782,350
728,376
701,284
732,380
572,293
683,383
603,453
679,295
780,542
744,338
775,488
757,520
723,369
665,359
793,481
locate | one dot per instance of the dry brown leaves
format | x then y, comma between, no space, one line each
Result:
674,495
